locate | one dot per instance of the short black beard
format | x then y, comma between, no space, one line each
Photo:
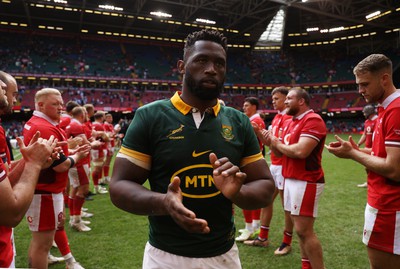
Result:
4,105
203,94
291,112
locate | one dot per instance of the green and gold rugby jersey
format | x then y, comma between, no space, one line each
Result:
164,136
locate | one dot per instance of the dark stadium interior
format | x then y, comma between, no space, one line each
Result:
251,16
123,58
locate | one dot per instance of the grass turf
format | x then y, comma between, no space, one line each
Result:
117,238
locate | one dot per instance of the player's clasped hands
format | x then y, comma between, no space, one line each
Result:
82,151
263,134
39,150
342,148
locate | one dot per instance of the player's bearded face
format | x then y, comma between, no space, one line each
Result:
3,97
292,108
199,89
3,104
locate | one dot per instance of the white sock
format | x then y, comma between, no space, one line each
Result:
256,225
249,227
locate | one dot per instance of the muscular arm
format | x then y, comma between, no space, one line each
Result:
127,192
300,150
15,200
388,167
16,171
81,153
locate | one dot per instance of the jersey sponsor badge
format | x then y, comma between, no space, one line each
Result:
197,181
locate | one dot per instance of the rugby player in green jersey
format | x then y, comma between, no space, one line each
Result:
200,158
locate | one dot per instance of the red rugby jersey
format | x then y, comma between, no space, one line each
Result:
4,151
6,246
97,126
278,124
383,193
311,125
49,180
75,128
369,127
64,121
260,122
109,128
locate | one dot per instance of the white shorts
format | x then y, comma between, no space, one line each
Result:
45,212
382,230
79,177
98,156
276,171
155,258
301,197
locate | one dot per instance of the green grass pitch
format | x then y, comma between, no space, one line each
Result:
117,238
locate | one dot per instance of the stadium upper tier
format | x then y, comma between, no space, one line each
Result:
53,55
326,74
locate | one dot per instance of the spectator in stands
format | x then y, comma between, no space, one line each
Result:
374,77
252,217
369,127
46,212
171,142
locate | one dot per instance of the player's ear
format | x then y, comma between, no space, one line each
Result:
181,67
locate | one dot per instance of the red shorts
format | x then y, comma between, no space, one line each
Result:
79,176
45,212
301,197
382,230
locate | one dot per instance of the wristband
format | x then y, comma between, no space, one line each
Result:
72,161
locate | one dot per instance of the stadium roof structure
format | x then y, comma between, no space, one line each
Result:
306,23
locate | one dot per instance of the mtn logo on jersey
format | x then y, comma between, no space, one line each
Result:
172,134
197,181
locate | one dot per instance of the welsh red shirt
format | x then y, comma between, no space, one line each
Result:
383,193
260,122
278,125
4,151
64,121
88,130
89,126
75,128
369,127
311,125
97,126
109,128
49,180
6,245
